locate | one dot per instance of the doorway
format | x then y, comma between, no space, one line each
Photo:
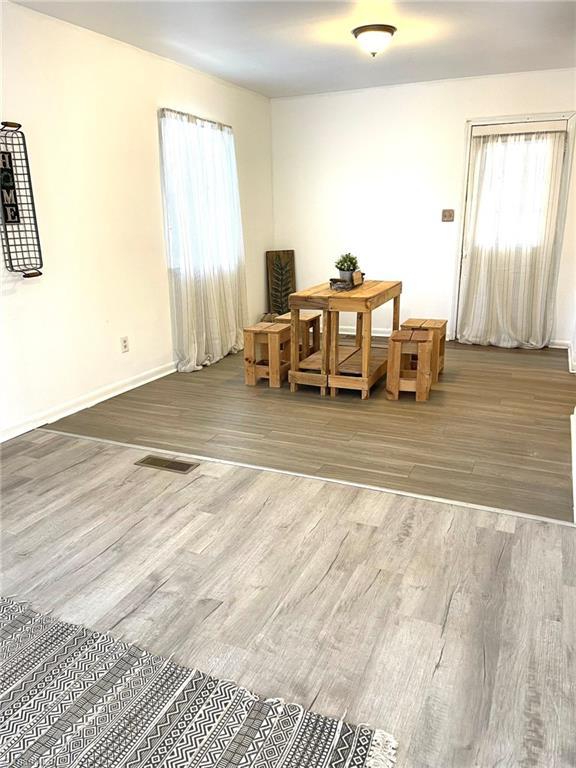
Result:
512,234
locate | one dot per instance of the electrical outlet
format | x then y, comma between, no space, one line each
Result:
124,346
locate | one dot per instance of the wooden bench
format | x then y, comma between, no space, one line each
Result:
401,377
438,327
266,353
309,327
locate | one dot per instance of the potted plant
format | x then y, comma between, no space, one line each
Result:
347,264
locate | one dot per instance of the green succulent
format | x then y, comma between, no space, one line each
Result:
347,263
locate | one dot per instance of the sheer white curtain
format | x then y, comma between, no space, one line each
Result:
203,238
511,248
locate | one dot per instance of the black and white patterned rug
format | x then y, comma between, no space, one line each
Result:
72,697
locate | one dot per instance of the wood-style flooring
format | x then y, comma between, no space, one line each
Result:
453,628
496,430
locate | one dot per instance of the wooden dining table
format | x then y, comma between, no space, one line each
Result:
336,366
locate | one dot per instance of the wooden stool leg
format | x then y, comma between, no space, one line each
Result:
249,359
393,370
274,361
316,334
295,348
435,362
423,375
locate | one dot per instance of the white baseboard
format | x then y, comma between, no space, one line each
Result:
351,329
92,398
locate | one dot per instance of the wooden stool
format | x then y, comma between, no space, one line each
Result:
400,376
266,353
309,322
438,327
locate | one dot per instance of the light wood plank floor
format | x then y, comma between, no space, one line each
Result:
453,628
496,430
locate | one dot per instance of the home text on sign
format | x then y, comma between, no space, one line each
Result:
10,212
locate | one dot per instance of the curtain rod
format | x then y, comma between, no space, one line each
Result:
193,117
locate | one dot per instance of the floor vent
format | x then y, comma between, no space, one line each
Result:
171,465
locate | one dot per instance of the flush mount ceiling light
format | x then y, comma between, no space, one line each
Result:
374,38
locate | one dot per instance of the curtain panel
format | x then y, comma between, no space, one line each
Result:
204,239
511,245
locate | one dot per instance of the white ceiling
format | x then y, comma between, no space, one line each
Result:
290,48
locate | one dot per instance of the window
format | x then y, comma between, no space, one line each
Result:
204,239
514,194
512,234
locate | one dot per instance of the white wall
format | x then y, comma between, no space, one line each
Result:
88,107
369,171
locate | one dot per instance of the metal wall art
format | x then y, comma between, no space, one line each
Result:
20,240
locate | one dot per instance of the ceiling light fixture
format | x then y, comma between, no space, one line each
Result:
374,38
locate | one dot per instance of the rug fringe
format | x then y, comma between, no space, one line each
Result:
382,752
383,746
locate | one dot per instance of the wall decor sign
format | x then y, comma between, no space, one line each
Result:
281,280
10,211
18,227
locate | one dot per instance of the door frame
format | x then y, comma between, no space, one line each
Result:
570,117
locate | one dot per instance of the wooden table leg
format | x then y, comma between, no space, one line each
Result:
359,317
325,347
294,345
423,376
366,351
396,314
334,334
435,366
